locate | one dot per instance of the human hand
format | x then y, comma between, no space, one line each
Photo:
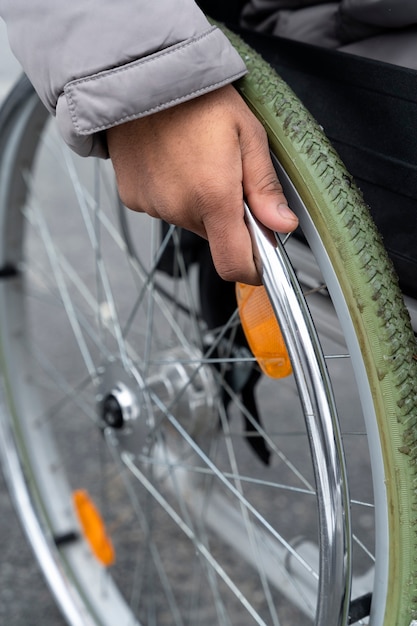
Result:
191,165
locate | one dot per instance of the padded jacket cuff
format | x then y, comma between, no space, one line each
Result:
183,71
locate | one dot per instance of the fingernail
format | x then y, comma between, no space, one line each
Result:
286,213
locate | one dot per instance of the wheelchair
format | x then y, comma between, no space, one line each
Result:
164,468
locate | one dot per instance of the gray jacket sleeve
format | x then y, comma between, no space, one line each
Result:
99,63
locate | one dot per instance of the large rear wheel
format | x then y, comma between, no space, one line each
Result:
159,477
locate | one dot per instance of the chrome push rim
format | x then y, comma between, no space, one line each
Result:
76,558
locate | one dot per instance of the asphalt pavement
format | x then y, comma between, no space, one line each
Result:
24,598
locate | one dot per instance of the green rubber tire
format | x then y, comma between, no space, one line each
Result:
375,304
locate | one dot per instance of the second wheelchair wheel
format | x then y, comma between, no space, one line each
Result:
159,477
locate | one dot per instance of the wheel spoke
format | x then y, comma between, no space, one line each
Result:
36,215
226,494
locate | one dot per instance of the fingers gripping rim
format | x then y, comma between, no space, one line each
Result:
371,290
326,185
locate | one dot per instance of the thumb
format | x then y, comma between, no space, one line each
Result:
261,186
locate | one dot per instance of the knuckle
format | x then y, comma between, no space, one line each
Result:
207,194
255,137
208,203
128,199
228,271
269,183
135,202
237,270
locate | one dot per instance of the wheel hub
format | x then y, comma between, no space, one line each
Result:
181,385
119,406
177,385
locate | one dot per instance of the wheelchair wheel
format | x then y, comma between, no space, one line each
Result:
159,478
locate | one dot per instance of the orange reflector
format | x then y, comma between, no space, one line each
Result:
93,528
262,330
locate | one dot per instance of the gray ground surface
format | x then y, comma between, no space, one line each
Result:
24,598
